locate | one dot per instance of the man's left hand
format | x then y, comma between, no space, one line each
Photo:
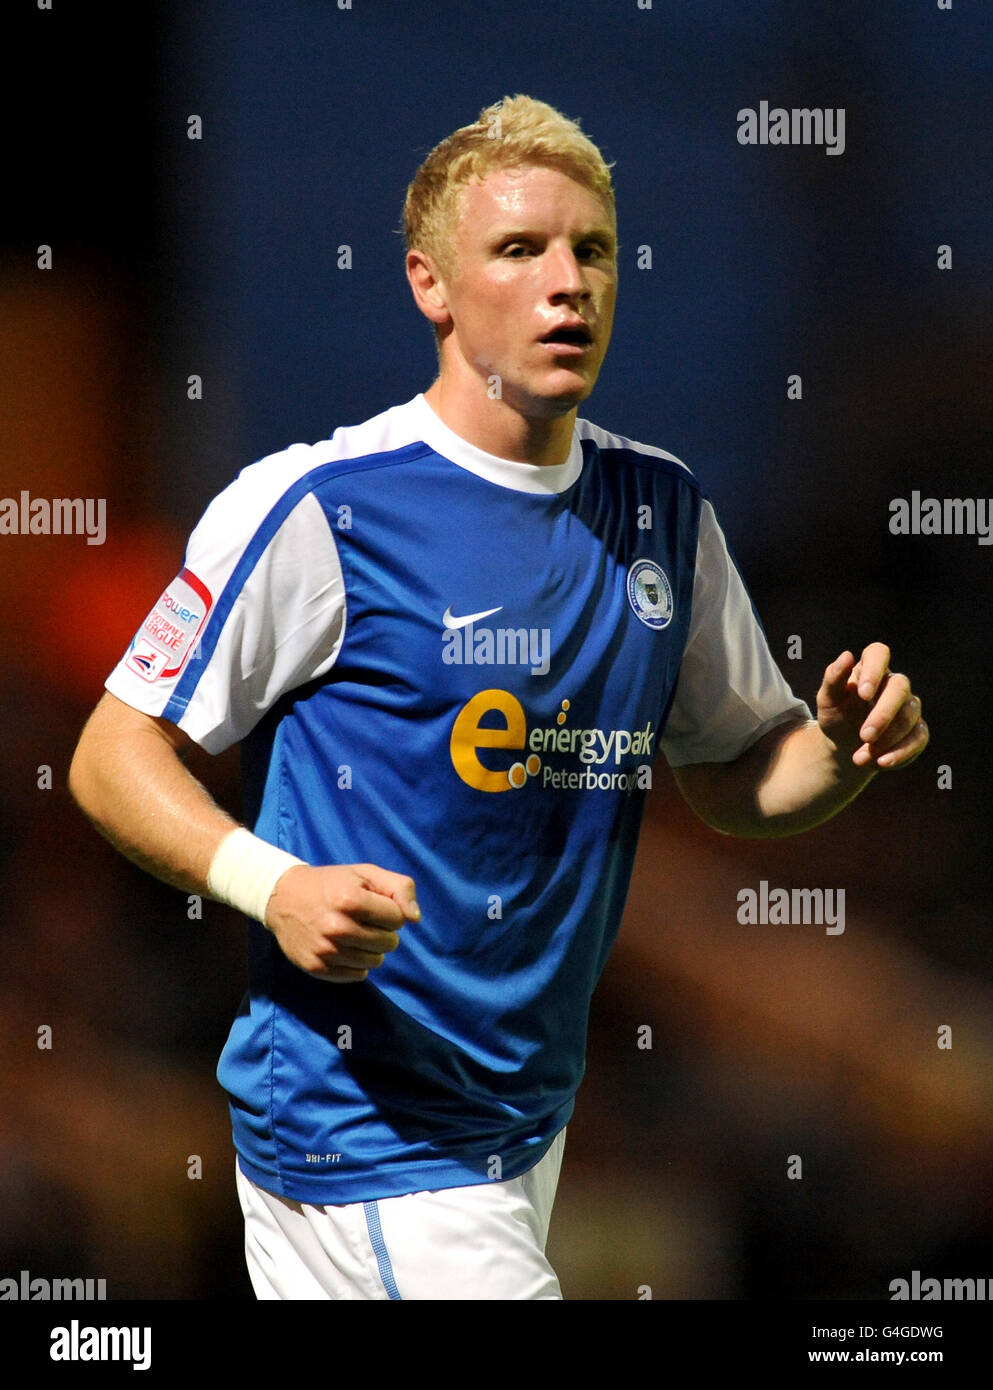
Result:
864,706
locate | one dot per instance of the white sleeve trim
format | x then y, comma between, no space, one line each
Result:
286,623
730,690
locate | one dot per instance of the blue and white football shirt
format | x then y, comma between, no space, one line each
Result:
461,668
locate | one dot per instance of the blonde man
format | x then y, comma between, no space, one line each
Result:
452,640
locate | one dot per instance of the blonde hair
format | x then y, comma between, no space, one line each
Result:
515,131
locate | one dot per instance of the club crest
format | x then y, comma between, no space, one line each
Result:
650,593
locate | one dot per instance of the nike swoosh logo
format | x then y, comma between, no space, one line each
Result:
455,623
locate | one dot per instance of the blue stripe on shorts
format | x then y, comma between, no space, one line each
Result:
379,1246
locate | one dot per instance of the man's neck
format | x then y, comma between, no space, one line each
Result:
496,428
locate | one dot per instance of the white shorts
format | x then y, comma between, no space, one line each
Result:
481,1242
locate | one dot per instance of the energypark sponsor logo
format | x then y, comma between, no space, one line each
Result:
162,645
599,751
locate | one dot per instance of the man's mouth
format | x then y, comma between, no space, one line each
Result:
572,340
573,337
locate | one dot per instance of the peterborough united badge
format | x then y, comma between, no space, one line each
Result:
650,593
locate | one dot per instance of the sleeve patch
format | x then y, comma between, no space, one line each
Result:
169,635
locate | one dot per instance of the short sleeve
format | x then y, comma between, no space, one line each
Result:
730,691
257,609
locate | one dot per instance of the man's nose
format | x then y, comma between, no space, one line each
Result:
565,275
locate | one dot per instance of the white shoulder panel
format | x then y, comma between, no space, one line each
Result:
259,607
605,440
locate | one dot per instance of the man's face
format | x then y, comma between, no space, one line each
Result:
536,254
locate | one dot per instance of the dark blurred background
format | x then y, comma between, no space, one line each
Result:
219,257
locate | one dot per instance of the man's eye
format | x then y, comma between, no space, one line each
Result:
516,249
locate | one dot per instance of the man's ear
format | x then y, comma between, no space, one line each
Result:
428,287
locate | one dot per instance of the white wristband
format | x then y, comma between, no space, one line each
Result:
245,870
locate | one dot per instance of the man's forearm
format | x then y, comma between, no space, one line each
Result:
127,776
335,922
791,780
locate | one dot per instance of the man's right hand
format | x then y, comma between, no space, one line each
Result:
338,922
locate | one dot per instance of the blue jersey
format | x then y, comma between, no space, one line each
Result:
459,668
